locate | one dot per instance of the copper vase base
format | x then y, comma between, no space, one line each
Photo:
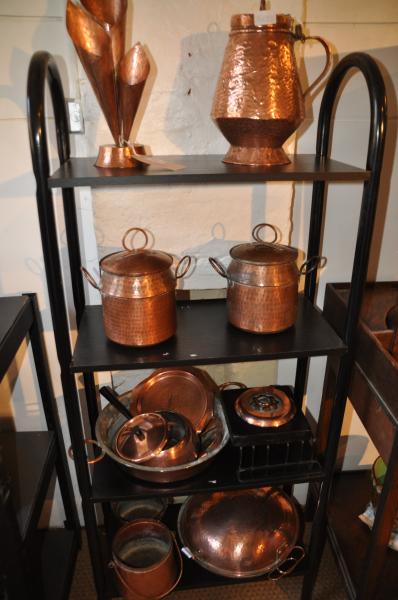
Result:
256,156
119,157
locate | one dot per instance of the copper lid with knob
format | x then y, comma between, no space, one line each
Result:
265,407
142,438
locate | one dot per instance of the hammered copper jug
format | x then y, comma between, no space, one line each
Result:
259,102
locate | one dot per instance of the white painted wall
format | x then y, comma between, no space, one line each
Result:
203,219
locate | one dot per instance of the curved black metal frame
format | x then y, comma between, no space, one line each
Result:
42,69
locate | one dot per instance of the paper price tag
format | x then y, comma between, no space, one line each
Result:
264,17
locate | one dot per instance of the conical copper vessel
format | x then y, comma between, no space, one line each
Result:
259,102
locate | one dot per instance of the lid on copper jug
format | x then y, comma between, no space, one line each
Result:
259,20
264,253
142,437
136,261
265,407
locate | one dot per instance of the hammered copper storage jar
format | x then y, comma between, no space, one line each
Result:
263,278
138,293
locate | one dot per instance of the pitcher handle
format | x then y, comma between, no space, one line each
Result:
300,36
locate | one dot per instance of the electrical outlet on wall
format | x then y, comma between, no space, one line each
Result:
75,116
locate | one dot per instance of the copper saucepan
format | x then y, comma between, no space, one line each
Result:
138,293
263,278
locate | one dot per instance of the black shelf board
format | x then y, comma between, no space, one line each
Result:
16,318
55,555
204,337
349,537
110,482
27,461
203,169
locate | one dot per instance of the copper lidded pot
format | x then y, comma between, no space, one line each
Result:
258,102
263,278
138,293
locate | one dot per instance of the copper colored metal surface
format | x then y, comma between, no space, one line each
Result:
212,441
146,560
97,29
262,295
242,533
189,392
182,445
153,438
118,157
265,407
139,508
138,294
258,102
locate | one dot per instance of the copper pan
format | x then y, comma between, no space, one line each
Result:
94,47
188,391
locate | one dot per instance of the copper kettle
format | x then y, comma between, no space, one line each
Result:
259,102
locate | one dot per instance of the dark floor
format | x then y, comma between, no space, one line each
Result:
329,585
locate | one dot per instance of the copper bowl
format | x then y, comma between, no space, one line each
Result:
212,440
244,533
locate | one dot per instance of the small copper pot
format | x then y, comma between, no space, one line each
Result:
146,560
263,278
138,293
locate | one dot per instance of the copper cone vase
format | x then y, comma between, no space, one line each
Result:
259,102
97,29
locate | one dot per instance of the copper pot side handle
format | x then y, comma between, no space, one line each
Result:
228,384
138,596
90,461
90,279
188,260
135,229
289,564
218,267
300,36
315,262
256,232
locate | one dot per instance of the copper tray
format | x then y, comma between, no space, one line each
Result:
188,391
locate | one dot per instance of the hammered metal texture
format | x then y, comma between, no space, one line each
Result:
139,321
262,309
258,102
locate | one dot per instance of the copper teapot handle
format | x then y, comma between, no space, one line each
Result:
313,263
256,231
137,229
185,269
90,461
300,36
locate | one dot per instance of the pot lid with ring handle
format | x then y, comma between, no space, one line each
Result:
264,253
134,262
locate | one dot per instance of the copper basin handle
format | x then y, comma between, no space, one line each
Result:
300,36
90,279
185,268
289,564
228,384
312,263
256,232
135,229
134,593
90,461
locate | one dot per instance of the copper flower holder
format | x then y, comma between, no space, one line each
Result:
97,29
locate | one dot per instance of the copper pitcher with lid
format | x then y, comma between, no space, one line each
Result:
259,102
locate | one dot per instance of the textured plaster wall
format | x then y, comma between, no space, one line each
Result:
186,39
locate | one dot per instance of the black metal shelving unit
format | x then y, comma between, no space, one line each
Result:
33,563
203,321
